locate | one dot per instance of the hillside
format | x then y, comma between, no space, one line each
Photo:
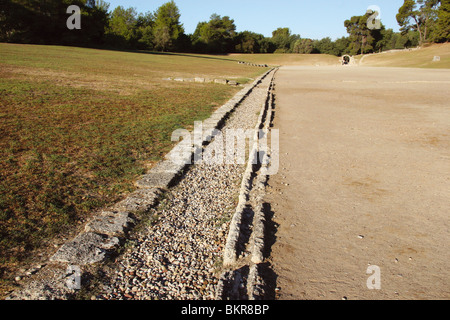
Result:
420,58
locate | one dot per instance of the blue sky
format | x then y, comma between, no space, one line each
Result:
313,19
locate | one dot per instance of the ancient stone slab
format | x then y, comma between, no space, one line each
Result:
229,106
218,117
86,248
211,123
139,201
222,111
225,109
111,223
156,180
221,81
171,165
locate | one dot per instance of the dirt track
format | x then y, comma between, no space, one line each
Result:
364,180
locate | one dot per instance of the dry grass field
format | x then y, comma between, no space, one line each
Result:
422,58
78,126
288,59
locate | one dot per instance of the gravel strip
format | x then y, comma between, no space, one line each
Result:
245,273
179,256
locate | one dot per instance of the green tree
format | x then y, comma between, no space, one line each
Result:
418,15
198,43
161,38
303,46
44,22
442,32
403,40
144,26
381,38
247,42
122,27
215,36
283,40
95,20
360,36
326,46
250,42
342,46
385,43
13,16
267,46
167,28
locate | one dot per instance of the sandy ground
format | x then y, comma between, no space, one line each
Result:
364,181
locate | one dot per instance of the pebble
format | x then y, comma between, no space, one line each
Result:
175,258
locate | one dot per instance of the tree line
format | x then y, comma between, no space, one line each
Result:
44,22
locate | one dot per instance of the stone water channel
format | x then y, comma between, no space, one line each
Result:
180,256
177,253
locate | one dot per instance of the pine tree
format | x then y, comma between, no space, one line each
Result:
419,15
442,32
167,28
362,39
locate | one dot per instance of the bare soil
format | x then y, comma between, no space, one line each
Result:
364,180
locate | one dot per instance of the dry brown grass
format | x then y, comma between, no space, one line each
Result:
422,58
283,59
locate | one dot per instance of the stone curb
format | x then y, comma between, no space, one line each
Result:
254,64
205,80
230,253
231,280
